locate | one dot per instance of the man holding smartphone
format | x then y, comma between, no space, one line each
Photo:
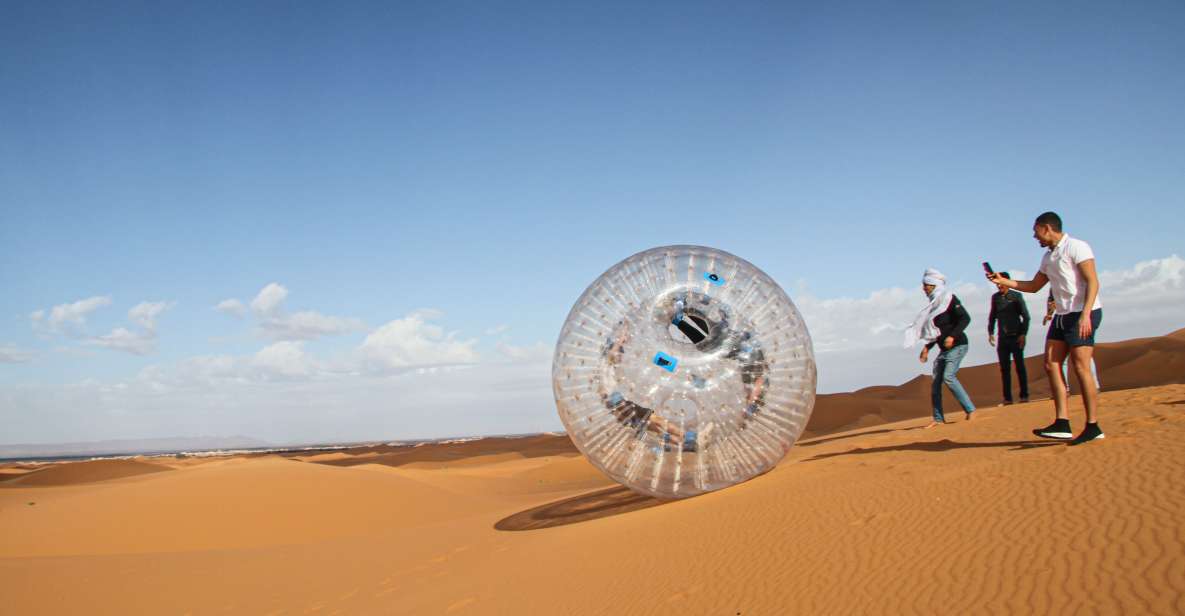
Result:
1069,266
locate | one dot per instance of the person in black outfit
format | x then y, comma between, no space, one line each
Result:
942,322
1008,307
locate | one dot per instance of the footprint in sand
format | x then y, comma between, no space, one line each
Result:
863,521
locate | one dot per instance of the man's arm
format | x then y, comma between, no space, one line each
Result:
992,317
1025,286
1086,269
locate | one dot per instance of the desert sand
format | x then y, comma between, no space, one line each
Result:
971,517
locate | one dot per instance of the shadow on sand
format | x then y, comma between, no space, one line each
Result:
819,440
939,446
592,506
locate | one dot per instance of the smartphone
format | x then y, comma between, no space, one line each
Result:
987,267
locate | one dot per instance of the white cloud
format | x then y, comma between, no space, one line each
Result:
307,325
283,360
277,324
144,314
1144,300
123,339
413,342
497,329
140,342
537,352
403,346
233,307
269,299
10,354
68,318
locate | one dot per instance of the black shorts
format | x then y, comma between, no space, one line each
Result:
1064,328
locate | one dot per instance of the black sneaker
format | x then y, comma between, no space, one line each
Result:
1059,429
1092,432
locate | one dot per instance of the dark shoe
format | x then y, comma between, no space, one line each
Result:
1024,399
1005,403
1059,429
1092,432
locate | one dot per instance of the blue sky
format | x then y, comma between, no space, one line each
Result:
484,162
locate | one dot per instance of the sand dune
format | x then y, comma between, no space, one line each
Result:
70,473
972,517
466,452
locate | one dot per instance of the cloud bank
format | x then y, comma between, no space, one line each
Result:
274,322
412,377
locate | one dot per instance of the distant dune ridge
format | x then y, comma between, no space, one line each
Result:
971,517
86,472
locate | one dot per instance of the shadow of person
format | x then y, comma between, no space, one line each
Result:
592,506
938,446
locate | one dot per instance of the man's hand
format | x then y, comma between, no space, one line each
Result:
925,355
1084,326
992,339
1048,318
948,342
996,278
1021,341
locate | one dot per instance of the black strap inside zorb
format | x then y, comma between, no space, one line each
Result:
695,328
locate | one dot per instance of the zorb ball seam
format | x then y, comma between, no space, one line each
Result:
682,370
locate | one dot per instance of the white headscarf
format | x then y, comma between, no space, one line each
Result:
923,328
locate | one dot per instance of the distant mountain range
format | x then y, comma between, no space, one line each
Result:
130,446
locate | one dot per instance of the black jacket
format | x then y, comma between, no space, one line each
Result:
1010,309
951,323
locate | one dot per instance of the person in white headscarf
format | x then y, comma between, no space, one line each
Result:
942,322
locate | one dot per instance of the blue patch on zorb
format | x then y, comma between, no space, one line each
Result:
714,279
664,361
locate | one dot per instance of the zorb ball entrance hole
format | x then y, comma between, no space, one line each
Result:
682,370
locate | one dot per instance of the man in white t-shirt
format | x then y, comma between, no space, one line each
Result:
1069,268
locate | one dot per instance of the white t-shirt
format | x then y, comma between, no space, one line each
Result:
1060,265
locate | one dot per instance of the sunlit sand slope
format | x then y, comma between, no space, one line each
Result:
972,517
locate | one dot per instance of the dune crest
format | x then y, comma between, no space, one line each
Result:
90,471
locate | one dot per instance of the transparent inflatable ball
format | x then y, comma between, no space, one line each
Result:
682,370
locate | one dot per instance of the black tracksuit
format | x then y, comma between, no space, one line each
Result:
1012,313
951,323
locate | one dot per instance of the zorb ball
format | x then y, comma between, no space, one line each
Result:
682,370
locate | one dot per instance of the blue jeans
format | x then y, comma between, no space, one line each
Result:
945,367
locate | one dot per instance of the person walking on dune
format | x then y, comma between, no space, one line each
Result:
1008,307
1069,267
942,322
1050,308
